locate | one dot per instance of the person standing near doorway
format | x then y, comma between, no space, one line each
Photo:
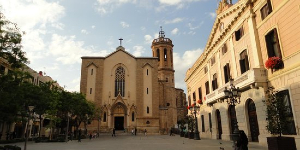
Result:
135,130
145,132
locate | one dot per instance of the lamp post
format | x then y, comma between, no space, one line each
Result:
98,133
195,109
30,109
67,132
233,96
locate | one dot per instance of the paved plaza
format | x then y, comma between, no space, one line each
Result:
139,142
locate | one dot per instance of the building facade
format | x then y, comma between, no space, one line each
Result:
244,37
133,92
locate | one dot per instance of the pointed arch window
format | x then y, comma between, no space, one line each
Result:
157,53
165,54
120,81
104,117
132,116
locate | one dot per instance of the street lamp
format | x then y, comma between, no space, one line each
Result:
68,115
195,109
233,96
30,109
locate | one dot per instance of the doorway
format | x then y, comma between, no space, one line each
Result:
254,130
119,123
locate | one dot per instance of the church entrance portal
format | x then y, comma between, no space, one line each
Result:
119,123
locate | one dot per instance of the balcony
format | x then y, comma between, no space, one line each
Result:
255,76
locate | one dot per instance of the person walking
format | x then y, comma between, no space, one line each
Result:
145,132
135,130
132,132
114,133
79,135
171,132
242,143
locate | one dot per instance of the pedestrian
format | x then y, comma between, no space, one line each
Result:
242,143
91,135
132,132
171,132
114,133
71,136
145,132
135,131
79,135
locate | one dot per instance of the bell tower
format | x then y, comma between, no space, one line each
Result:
163,49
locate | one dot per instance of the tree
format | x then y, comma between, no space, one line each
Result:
277,119
10,43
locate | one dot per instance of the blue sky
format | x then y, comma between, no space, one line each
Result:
59,32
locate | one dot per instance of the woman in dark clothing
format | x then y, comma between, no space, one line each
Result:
242,143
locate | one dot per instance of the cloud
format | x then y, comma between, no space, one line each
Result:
68,51
138,51
176,20
212,15
189,58
170,2
148,39
124,24
174,31
84,31
93,27
108,6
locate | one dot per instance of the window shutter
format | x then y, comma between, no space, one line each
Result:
242,66
277,41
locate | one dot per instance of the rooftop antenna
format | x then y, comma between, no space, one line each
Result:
120,41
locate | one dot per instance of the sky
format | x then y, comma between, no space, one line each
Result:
59,32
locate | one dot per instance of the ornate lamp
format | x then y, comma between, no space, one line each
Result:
195,109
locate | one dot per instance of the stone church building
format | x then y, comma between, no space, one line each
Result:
134,92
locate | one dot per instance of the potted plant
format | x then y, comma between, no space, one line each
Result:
274,63
277,122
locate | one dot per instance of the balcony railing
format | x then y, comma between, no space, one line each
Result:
255,75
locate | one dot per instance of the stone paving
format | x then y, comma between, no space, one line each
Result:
139,142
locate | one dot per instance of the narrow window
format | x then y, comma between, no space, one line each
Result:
202,120
147,90
210,123
147,71
272,43
90,90
205,70
165,54
266,10
207,87
194,96
224,49
226,73
189,99
104,117
147,110
200,93
244,63
215,82
132,116
92,71
238,34
157,53
167,79
212,60
289,117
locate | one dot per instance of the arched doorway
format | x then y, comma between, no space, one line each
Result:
119,116
232,117
254,130
219,124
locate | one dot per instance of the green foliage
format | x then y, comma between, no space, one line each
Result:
276,112
10,43
191,123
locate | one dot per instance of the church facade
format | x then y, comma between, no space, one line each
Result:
133,92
